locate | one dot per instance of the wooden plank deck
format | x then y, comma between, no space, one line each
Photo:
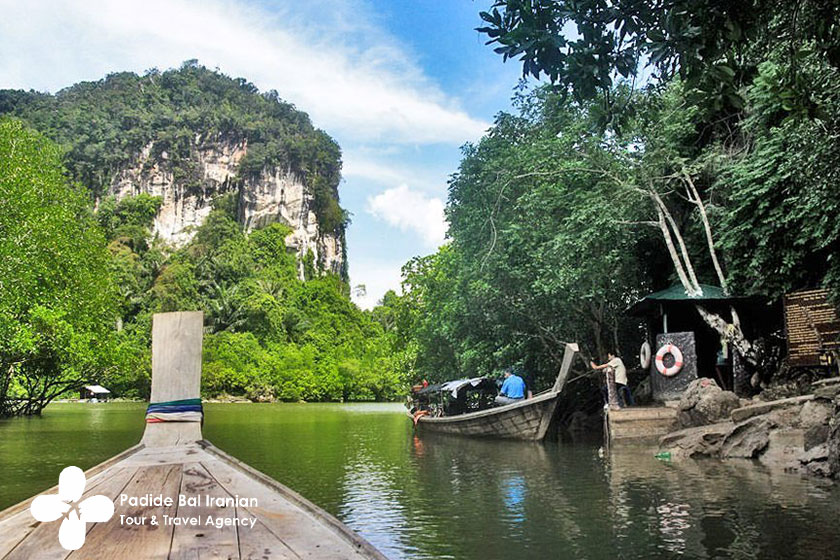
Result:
281,526
268,522
641,422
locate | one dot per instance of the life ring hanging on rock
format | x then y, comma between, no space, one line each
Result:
660,360
644,355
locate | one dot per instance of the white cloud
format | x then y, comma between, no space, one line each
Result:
354,82
369,169
407,210
377,278
394,172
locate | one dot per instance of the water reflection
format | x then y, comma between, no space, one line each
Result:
711,509
513,496
447,497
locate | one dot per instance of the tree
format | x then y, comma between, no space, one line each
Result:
781,230
57,306
541,251
715,46
548,237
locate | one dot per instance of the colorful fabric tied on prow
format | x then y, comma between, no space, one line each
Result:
187,410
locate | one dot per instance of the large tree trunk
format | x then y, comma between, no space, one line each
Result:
731,332
694,196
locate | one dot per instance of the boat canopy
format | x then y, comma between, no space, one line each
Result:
430,389
455,386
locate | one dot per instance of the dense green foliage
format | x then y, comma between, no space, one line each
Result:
103,125
540,251
559,217
269,335
781,227
80,285
56,297
715,46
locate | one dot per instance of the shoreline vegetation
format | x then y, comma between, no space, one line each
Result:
89,273
698,149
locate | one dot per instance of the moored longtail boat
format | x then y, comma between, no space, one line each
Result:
253,515
527,419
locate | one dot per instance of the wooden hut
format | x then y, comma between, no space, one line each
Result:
97,392
671,316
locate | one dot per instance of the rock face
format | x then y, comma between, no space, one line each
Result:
272,197
703,402
748,439
801,433
833,442
697,442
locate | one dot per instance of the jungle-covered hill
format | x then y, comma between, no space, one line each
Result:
83,272
103,125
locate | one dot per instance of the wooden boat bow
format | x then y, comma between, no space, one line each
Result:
173,460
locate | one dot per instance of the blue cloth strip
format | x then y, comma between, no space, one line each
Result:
184,410
188,408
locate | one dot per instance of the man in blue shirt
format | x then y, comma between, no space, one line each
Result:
513,389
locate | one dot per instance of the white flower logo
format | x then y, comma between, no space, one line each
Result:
71,486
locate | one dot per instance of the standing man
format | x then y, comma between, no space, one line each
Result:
513,389
620,372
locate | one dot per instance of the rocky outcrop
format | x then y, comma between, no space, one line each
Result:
281,196
703,402
748,439
813,419
833,441
276,195
801,433
697,442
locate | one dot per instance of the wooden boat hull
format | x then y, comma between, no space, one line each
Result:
527,420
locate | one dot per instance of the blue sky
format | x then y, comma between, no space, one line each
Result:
400,84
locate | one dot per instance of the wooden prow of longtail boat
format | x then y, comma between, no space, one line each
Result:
172,460
566,366
527,419
176,373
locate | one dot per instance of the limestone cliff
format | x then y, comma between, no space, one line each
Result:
272,196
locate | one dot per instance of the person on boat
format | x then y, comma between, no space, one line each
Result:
620,372
513,389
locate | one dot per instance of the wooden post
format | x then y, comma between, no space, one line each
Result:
612,393
176,373
568,358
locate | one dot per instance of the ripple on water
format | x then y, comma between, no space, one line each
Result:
438,497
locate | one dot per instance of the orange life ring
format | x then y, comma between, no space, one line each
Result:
660,360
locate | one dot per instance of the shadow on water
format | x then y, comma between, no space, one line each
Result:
450,497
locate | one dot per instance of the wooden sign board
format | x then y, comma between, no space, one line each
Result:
813,328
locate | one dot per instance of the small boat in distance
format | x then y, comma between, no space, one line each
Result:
527,419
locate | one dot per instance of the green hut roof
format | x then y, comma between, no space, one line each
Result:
677,293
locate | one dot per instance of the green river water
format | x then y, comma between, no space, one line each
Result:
446,497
